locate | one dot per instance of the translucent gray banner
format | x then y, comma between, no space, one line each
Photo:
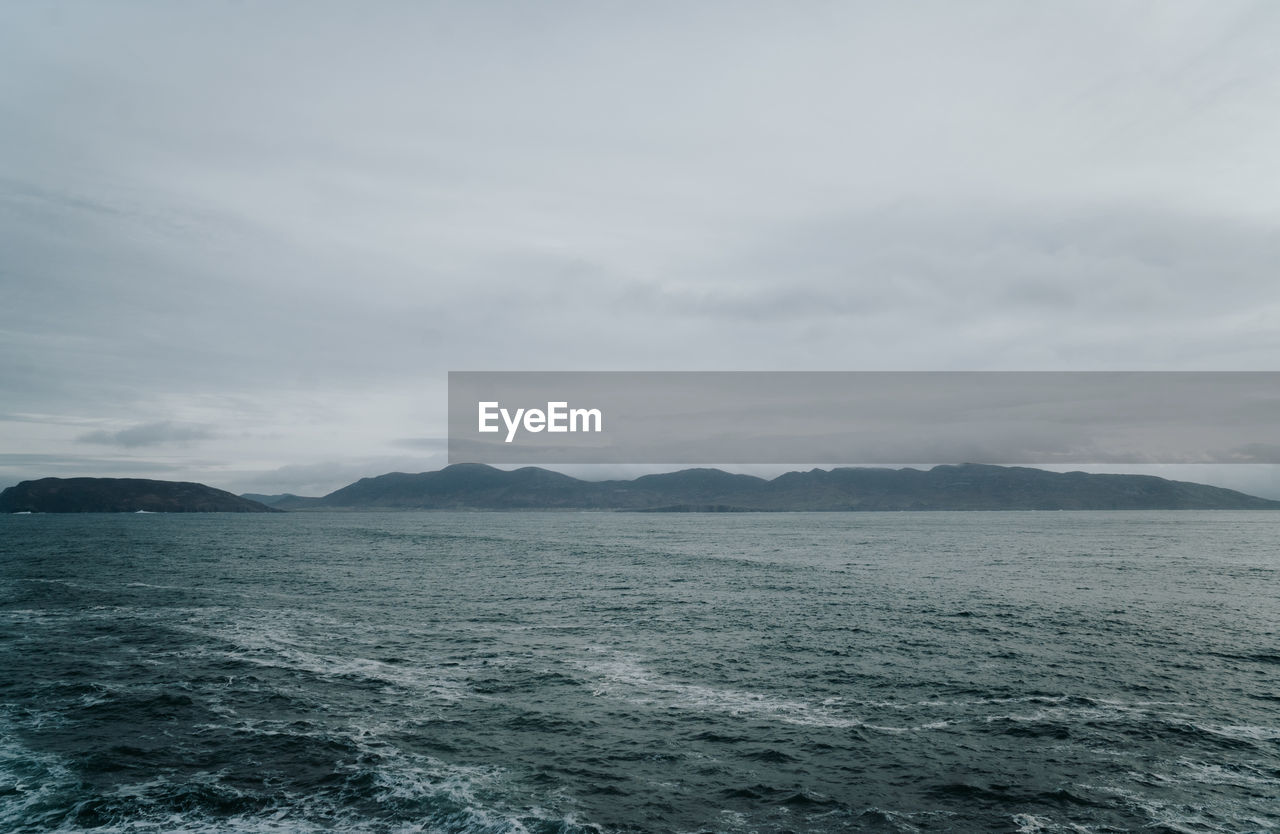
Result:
864,417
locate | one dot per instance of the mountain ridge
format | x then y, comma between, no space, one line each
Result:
944,487
482,487
122,495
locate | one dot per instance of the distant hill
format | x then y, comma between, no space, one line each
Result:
964,487
122,495
283,501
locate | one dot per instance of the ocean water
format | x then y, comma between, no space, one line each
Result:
609,672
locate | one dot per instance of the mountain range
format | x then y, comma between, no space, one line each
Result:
478,487
962,487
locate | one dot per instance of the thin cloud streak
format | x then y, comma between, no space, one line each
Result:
149,434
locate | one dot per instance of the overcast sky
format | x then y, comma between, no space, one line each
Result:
243,243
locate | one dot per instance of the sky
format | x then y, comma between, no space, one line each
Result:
244,243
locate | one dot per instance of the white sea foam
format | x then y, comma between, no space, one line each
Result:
963,703
441,797
1033,824
1245,732
626,677
1203,817
270,645
1063,710
1208,773
34,781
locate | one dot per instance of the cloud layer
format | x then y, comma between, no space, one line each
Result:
276,227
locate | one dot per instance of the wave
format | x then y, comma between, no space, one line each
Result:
1202,814
627,678
270,646
378,789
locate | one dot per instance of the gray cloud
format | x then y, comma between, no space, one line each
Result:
432,443
17,467
148,434
291,242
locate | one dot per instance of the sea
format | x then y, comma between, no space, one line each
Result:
540,672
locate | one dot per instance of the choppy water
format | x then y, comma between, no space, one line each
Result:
612,672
